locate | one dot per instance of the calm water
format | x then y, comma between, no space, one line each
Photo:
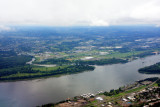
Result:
41,91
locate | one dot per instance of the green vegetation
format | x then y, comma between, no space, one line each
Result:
92,104
61,61
119,92
110,55
67,47
123,55
7,53
153,69
130,91
12,61
130,54
101,61
58,61
14,67
49,68
24,72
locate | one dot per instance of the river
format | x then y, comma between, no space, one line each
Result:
41,91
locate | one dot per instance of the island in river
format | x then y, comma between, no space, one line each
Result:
15,68
54,89
152,69
26,72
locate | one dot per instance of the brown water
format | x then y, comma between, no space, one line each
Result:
41,91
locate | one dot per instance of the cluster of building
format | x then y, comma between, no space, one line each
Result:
87,95
147,97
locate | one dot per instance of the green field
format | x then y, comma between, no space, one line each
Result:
49,68
95,54
130,91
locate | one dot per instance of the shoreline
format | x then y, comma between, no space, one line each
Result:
55,98
41,77
88,98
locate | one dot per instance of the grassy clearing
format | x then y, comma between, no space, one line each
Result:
129,91
120,55
123,55
92,104
95,54
37,58
49,68
155,84
80,55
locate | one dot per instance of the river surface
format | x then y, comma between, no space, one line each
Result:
41,91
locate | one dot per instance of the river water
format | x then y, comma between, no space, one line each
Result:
41,91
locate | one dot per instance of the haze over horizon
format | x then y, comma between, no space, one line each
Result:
79,12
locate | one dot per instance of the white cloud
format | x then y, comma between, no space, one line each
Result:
4,28
79,12
98,22
157,25
148,11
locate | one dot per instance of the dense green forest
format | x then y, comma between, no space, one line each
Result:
24,72
7,53
153,69
101,62
61,61
12,61
14,67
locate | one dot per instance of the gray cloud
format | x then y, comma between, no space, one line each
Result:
79,12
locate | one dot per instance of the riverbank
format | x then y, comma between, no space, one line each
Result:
46,90
152,69
47,68
129,95
31,72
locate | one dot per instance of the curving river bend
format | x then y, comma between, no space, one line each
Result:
41,91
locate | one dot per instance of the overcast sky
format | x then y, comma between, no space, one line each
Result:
79,12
